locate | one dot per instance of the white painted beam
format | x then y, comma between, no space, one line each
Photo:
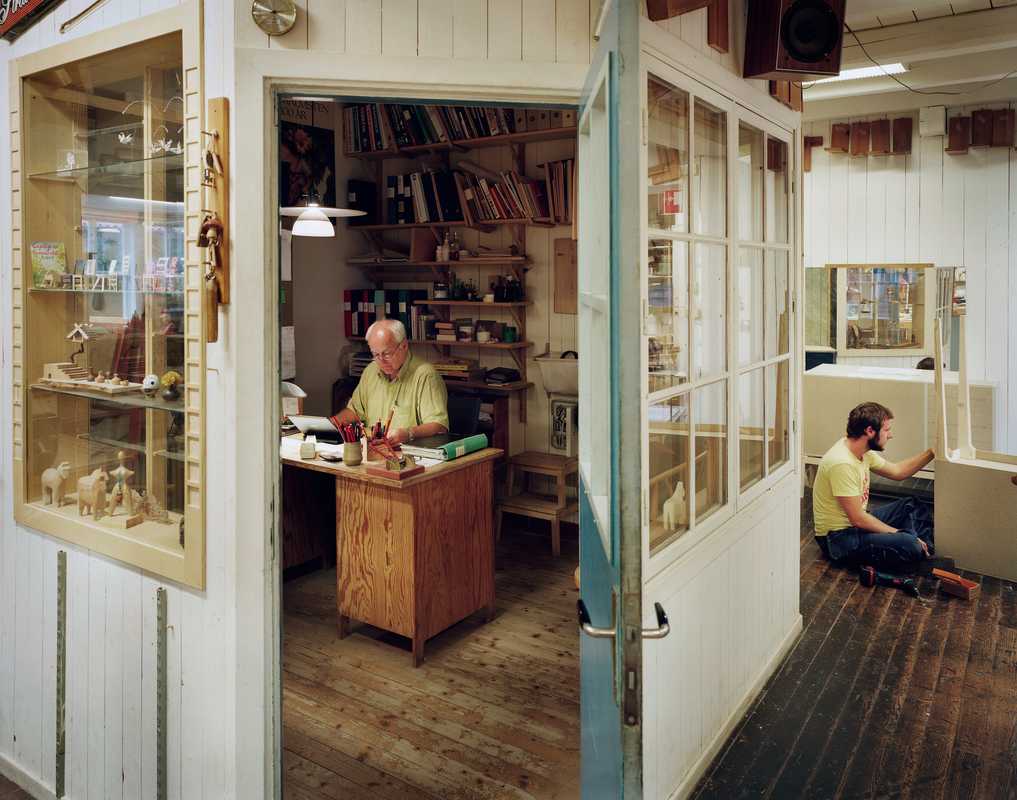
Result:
903,101
993,29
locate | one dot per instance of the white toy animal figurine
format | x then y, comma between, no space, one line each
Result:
53,480
676,512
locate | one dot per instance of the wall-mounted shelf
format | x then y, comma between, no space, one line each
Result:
130,399
483,345
472,303
484,224
525,137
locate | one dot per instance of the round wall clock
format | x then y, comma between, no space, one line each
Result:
274,17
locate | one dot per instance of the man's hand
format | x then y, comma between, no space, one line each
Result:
398,436
925,548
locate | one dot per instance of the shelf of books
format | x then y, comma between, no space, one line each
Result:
394,130
435,188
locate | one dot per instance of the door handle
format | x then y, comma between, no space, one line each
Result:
587,626
663,626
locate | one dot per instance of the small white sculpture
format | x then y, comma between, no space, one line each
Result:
150,385
676,512
53,483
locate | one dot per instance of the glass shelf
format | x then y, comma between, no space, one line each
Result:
170,162
131,399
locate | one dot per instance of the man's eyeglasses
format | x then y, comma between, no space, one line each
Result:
386,355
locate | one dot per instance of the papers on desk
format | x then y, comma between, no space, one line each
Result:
428,462
289,447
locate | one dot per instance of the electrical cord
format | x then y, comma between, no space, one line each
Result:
911,88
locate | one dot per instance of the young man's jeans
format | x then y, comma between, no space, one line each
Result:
851,546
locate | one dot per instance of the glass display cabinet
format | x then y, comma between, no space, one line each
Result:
108,335
717,319
884,309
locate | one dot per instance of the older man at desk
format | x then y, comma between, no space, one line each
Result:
399,383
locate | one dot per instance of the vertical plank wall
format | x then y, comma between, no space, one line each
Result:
929,206
111,612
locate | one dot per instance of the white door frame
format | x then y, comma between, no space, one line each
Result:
262,76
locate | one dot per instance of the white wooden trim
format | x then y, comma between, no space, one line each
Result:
13,773
262,76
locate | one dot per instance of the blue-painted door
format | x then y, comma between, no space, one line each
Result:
609,302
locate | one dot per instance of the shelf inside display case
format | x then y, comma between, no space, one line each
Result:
137,168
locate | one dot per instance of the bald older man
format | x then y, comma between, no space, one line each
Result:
396,378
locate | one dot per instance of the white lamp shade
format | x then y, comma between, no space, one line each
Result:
313,222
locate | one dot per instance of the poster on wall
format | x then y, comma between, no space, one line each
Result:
17,16
306,152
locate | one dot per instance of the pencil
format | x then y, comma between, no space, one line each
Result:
388,422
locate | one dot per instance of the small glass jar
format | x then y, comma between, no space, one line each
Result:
440,290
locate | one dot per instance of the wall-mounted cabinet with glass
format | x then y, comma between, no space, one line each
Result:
718,321
108,338
883,309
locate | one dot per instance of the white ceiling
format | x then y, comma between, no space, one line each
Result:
865,14
963,44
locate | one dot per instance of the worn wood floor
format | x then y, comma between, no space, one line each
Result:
884,696
492,714
10,791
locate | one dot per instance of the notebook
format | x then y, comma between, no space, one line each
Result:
445,446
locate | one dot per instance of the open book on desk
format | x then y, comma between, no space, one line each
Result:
445,446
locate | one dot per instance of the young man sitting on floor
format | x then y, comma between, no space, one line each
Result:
891,536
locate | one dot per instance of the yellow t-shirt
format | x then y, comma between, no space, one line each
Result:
418,393
840,474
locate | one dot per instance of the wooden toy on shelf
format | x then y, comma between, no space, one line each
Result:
92,493
53,480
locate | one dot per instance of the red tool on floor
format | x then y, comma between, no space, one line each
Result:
868,576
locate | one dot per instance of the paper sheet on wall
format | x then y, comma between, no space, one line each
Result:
288,356
286,256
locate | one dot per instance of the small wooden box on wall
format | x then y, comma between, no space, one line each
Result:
872,138
986,127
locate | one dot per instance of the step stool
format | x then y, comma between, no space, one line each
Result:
538,506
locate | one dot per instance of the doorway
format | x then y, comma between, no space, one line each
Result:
493,709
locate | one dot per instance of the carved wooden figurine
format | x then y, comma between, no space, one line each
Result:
53,480
122,493
92,493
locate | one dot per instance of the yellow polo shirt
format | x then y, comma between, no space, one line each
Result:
841,474
418,392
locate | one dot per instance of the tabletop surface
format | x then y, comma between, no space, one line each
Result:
359,473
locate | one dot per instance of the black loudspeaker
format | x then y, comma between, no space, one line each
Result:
793,39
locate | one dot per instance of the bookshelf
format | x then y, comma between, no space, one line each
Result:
437,186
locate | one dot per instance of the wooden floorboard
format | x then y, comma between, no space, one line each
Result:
492,714
11,791
883,696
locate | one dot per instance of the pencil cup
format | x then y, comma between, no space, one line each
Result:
353,454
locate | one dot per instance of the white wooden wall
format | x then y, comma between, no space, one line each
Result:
733,608
473,30
951,210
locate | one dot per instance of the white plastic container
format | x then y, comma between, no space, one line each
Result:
559,375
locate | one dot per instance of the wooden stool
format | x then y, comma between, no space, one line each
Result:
528,504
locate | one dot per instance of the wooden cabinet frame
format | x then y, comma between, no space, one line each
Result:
187,566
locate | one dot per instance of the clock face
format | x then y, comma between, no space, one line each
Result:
275,17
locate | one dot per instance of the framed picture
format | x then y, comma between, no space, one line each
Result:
306,163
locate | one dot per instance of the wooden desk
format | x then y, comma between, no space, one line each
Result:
414,556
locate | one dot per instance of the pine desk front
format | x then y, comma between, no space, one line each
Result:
414,556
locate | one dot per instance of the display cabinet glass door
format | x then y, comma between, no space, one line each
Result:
106,457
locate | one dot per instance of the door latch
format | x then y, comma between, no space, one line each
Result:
587,626
663,626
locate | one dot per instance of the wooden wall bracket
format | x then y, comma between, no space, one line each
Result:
807,144
216,139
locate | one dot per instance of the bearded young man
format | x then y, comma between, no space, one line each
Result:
891,536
